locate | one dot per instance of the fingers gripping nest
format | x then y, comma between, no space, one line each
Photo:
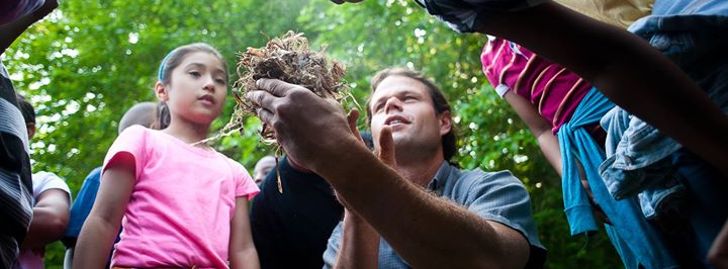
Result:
290,59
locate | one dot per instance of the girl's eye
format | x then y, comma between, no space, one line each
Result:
195,74
220,81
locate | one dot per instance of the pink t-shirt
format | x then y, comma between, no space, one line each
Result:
182,203
555,91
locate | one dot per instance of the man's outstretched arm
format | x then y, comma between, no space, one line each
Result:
426,231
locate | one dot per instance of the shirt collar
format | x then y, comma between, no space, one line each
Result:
438,181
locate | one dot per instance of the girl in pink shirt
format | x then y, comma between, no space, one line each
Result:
181,204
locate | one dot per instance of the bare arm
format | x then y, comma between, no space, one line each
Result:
540,128
102,225
360,241
12,30
626,69
359,244
427,231
50,217
242,251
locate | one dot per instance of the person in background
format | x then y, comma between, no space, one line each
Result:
409,207
262,168
50,210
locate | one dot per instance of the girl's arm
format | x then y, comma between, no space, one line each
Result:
540,128
626,69
359,244
102,225
242,250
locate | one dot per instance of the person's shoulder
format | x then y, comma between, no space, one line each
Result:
236,166
477,175
95,173
44,180
478,182
135,131
43,177
231,161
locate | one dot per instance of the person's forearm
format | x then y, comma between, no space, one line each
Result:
47,226
359,244
540,128
426,231
242,252
94,243
627,70
549,145
245,258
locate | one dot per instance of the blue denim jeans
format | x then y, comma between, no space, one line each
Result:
637,153
636,163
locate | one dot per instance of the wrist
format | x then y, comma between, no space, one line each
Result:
297,166
345,155
355,221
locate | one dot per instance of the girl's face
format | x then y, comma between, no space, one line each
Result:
197,89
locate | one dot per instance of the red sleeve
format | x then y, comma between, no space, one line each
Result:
131,141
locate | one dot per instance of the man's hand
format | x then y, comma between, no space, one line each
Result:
312,130
384,150
385,147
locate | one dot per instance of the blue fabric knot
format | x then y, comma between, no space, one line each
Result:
639,240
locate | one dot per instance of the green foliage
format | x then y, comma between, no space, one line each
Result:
91,60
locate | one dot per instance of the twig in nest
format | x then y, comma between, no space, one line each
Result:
288,58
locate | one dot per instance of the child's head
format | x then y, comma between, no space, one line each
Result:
262,168
191,86
28,114
141,113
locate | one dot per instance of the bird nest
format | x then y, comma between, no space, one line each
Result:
288,58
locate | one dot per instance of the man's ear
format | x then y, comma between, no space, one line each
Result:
445,122
161,91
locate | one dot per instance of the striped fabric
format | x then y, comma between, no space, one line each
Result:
11,10
555,91
465,15
15,180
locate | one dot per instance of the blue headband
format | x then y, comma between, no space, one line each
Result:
162,65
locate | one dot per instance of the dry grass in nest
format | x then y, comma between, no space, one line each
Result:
290,59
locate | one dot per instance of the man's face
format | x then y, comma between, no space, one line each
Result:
405,105
262,168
